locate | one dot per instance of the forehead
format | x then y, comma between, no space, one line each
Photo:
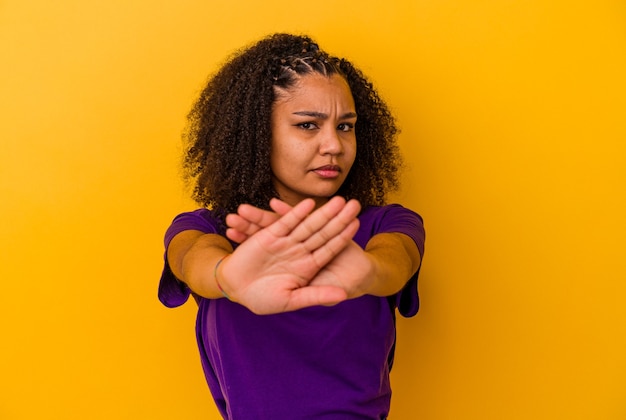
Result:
318,91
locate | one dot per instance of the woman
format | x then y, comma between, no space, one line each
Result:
297,287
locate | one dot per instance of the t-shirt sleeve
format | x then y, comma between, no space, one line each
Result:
399,219
173,292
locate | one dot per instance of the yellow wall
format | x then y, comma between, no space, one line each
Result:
513,127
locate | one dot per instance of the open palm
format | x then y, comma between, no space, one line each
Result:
277,268
336,263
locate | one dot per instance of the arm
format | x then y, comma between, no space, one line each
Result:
192,255
272,270
382,269
395,258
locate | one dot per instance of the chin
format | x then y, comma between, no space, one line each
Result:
326,193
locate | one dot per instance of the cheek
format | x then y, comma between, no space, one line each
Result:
283,155
350,152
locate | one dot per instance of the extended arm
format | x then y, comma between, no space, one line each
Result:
395,259
192,255
272,271
382,269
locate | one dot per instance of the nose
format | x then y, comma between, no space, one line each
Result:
330,142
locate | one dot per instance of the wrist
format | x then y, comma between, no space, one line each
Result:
369,284
217,275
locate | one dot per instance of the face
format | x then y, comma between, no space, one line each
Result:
313,138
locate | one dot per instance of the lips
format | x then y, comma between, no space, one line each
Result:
328,171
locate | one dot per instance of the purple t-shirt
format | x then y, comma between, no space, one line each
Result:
314,363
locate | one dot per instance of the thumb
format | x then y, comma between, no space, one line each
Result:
314,296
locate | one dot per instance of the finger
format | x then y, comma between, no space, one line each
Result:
241,224
287,223
333,247
250,219
318,219
329,228
335,226
280,206
236,236
255,219
261,218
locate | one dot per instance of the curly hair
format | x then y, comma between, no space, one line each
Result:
228,138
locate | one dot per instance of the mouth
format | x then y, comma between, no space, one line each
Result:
328,171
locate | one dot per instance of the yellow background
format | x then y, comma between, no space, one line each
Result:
513,119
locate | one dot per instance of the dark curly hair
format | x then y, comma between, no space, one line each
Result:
228,137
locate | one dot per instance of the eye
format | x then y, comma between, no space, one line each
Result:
307,126
345,127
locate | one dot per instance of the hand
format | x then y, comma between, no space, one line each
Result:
352,269
272,269
249,219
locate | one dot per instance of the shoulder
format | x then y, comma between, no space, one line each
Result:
203,220
392,218
389,209
392,214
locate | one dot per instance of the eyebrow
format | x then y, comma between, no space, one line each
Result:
323,116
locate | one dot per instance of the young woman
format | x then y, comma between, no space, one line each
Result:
295,260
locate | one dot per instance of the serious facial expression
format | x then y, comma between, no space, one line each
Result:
313,138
